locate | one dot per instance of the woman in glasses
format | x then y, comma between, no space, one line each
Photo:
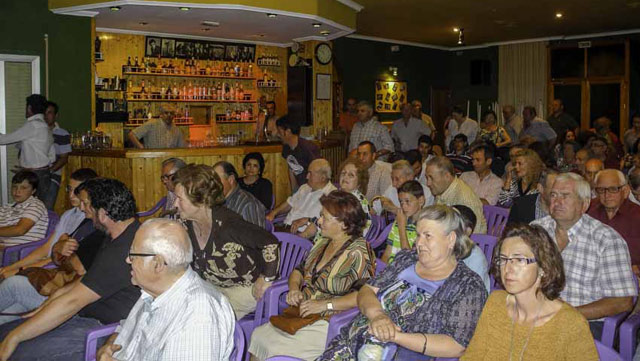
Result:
528,321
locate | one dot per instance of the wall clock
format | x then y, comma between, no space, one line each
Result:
324,54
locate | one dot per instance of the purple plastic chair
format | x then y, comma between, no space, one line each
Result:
606,352
496,219
155,208
23,250
338,321
377,225
91,345
612,323
293,250
486,243
268,225
628,333
283,358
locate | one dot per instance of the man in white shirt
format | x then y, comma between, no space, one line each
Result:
62,146
368,128
484,183
379,171
36,143
459,123
513,123
180,315
401,172
416,111
304,204
406,131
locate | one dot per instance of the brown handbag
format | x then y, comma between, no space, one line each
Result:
290,321
47,281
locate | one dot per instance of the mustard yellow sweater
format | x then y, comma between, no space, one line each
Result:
565,337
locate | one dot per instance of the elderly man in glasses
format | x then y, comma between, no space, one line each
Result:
159,133
613,208
169,168
596,259
180,315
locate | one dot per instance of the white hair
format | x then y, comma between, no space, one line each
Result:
325,167
403,165
167,238
582,187
621,178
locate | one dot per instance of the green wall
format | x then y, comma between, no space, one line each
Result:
23,24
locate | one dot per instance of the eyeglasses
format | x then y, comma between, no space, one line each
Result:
165,177
516,261
141,255
611,190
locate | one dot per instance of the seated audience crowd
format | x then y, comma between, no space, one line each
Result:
396,239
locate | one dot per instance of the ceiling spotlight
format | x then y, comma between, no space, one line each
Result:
271,15
115,8
184,8
558,15
455,30
325,32
210,23
316,25
461,37
143,23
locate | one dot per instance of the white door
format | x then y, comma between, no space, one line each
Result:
19,78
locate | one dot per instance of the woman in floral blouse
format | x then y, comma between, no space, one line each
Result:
425,304
327,282
239,258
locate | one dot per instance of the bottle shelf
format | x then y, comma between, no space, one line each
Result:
235,121
191,101
190,75
268,84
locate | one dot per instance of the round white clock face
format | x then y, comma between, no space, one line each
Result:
293,60
324,54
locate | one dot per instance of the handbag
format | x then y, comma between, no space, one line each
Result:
290,320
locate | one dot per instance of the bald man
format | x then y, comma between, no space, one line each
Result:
613,208
591,168
192,321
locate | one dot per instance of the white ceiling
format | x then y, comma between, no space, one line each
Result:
237,23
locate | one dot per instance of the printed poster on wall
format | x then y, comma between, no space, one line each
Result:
390,95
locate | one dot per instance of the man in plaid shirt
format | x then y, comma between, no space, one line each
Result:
599,280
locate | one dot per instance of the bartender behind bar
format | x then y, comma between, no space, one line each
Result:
159,133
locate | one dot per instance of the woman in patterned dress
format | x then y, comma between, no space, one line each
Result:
328,281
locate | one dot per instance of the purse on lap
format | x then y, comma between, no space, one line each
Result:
290,320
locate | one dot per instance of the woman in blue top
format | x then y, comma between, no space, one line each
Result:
425,304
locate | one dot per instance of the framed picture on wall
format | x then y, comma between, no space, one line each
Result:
168,48
390,95
152,46
323,86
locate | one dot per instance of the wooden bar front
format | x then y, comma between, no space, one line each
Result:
140,169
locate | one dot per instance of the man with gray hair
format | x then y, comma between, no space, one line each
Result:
236,198
599,279
401,172
613,208
159,133
369,128
451,190
406,131
169,168
304,205
180,315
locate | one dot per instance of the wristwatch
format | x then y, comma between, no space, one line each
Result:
330,306
269,279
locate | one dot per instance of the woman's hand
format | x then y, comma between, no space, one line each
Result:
311,307
294,297
382,328
387,204
295,225
260,287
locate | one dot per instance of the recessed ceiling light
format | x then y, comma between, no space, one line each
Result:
325,32
271,15
210,23
143,23
316,25
455,30
558,15
184,8
115,8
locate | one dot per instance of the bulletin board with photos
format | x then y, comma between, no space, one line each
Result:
198,49
390,95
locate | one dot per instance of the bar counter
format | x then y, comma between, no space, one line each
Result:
140,169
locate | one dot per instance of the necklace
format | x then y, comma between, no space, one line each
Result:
513,327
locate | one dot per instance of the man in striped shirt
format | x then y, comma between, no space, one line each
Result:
181,316
26,220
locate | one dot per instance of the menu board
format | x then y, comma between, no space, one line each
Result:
390,95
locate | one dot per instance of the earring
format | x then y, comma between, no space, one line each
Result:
541,274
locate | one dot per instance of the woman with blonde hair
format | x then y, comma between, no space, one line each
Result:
522,177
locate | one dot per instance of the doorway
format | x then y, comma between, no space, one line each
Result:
19,78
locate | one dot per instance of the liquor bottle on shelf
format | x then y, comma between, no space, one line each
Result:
207,70
236,70
250,72
128,68
142,91
136,65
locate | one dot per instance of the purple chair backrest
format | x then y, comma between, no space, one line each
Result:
293,250
380,266
607,353
382,237
23,250
283,358
338,321
486,243
155,208
238,344
496,219
268,225
91,344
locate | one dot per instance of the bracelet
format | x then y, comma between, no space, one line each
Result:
424,347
